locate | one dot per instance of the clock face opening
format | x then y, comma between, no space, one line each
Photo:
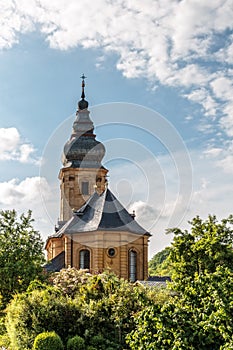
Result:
111,252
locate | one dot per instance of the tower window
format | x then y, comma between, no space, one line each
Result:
132,266
85,188
84,259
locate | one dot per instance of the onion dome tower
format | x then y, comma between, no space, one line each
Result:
82,173
95,231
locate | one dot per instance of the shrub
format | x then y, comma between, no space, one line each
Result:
48,341
41,310
76,343
4,341
98,342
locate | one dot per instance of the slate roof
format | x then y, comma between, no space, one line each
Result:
159,278
153,284
102,213
56,264
156,281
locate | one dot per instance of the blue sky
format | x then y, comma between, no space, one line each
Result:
159,86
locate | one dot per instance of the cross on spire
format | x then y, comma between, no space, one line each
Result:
83,86
83,77
83,104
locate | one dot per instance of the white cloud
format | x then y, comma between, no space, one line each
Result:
227,163
222,87
203,97
142,34
225,54
213,152
10,139
145,213
12,147
170,42
26,194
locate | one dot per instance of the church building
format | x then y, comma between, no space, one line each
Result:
94,231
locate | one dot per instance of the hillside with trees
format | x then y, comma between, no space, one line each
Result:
160,265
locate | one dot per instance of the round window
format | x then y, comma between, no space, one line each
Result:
111,252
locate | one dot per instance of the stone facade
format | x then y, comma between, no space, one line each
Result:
99,244
73,192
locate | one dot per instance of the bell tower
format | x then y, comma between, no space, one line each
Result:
82,173
95,231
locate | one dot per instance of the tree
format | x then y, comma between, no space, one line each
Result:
21,253
159,264
199,316
207,246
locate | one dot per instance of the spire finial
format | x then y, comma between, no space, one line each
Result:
83,86
83,104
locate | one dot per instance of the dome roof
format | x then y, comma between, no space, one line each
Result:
83,104
82,149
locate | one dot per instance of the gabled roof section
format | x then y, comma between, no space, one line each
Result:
102,213
56,264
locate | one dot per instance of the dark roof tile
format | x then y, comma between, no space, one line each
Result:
102,213
56,264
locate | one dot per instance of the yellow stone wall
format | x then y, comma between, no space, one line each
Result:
98,244
71,188
54,247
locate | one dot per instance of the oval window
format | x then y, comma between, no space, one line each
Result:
111,252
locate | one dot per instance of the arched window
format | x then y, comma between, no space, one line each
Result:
85,187
132,266
84,259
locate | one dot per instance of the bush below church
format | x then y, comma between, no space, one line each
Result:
100,310
48,341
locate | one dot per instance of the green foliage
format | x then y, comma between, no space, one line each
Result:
107,304
21,253
98,342
48,341
100,310
32,313
4,341
200,251
76,343
199,316
160,264
105,310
